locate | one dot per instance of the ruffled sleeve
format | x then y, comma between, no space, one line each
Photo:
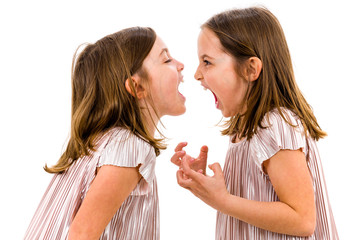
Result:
278,135
124,149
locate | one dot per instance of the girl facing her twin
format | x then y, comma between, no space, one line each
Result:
272,185
104,185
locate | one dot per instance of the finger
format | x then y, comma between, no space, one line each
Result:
185,177
191,173
180,146
188,158
217,169
204,152
185,183
176,158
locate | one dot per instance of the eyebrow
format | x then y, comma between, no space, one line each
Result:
205,56
164,50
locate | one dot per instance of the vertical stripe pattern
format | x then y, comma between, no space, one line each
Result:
138,216
244,177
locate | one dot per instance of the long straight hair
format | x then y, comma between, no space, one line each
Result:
256,32
100,100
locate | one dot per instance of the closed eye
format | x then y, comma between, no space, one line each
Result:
168,61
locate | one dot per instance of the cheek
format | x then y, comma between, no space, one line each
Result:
206,71
167,88
210,77
219,82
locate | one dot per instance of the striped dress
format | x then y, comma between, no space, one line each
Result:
244,177
138,216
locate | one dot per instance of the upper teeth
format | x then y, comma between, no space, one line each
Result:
205,88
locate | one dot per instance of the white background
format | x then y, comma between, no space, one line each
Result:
38,39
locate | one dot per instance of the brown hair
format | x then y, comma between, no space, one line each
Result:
100,100
256,32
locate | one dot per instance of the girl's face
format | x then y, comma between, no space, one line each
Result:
216,72
164,77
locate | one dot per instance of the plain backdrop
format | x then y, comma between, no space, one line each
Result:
39,38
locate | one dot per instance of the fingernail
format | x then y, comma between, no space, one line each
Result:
192,159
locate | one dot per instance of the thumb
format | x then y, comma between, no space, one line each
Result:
204,152
216,168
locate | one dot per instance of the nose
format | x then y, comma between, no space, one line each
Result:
198,75
180,66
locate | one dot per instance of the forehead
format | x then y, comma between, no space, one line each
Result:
159,47
208,43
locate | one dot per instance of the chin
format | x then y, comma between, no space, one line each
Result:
178,111
227,114
182,111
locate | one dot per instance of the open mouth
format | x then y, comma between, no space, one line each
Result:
181,95
181,81
215,96
216,99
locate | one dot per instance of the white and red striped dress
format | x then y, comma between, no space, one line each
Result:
244,177
138,216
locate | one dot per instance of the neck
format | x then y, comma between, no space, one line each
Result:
151,121
151,127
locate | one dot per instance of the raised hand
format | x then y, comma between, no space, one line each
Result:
211,190
198,164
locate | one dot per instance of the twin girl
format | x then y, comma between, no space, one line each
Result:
271,185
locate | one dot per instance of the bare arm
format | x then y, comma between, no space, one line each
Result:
294,214
110,188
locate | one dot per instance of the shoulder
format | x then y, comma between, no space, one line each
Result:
283,116
121,147
282,125
281,130
122,137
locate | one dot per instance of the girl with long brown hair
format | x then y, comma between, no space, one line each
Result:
104,184
272,185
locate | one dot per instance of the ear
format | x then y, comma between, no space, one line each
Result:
254,68
134,87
